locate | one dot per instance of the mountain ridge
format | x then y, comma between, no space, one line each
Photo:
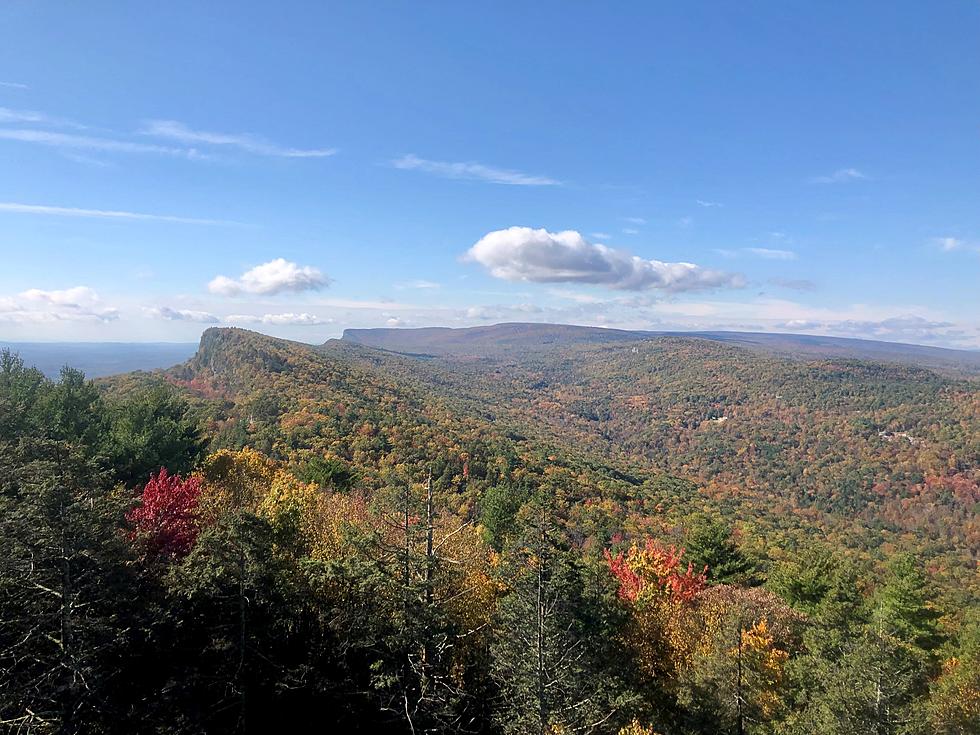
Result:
495,339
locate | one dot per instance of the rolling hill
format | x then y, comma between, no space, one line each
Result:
501,338
873,455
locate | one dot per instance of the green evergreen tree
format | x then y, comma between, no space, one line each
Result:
149,429
64,563
709,543
544,660
905,606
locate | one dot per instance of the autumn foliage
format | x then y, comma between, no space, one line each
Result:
655,568
166,521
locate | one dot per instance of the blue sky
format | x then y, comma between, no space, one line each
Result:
299,168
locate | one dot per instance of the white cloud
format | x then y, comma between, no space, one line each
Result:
635,220
795,284
7,116
77,297
840,176
630,231
949,244
274,277
396,322
279,320
772,254
703,203
419,284
85,142
472,170
34,305
104,213
174,130
181,315
526,254
14,85
600,235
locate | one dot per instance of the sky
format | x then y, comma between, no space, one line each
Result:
301,168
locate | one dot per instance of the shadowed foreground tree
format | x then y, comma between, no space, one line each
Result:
64,568
544,658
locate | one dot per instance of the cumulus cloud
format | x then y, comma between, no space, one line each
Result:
173,130
472,170
79,303
396,322
840,176
274,277
75,298
526,254
181,315
279,320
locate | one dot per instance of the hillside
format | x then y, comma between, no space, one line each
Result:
274,532
482,341
499,339
879,456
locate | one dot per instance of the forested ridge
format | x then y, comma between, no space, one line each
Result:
665,536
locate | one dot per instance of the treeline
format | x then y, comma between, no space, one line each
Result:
152,583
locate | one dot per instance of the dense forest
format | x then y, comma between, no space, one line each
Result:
664,536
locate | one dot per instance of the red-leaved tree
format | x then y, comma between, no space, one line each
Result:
165,522
655,568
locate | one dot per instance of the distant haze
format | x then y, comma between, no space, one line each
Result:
98,359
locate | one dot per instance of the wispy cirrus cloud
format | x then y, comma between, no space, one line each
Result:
421,284
44,209
950,244
276,276
55,139
794,284
14,85
707,204
526,254
8,115
472,170
767,253
772,253
840,176
173,130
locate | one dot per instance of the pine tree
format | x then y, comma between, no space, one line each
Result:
905,607
63,562
709,543
543,658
